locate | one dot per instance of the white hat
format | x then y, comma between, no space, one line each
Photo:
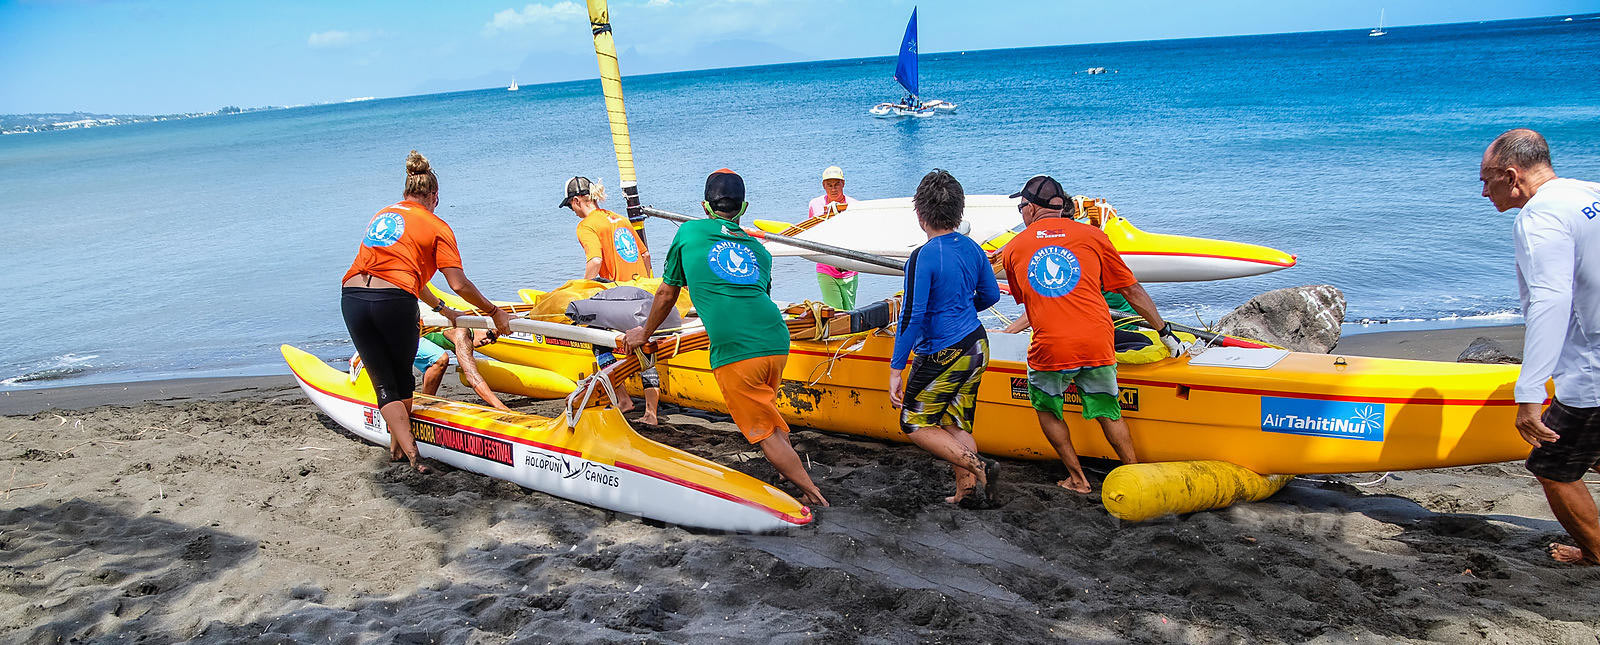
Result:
833,172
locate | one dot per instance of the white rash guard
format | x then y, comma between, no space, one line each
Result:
1557,237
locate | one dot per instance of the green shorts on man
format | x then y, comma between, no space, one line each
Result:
1094,388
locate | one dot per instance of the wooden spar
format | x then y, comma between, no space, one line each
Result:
523,325
605,51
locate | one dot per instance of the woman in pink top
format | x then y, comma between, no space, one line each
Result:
838,285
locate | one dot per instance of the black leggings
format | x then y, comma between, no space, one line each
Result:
383,325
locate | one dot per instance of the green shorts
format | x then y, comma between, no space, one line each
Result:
1093,388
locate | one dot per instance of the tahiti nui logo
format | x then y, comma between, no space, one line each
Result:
1053,271
733,262
622,241
385,230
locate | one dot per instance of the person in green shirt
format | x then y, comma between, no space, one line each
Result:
461,342
729,274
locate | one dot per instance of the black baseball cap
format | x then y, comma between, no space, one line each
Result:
576,187
1044,191
725,191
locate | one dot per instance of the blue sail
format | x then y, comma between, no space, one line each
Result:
906,70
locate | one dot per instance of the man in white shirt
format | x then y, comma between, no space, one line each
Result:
1558,272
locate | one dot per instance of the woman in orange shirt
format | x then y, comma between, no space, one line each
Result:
405,244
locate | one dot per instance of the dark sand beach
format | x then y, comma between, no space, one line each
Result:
232,510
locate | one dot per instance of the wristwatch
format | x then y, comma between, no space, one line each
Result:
438,307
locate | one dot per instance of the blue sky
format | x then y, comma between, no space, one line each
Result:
143,56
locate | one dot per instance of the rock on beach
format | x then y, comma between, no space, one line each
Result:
1487,350
1303,319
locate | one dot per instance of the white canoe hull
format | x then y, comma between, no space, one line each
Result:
888,227
1148,268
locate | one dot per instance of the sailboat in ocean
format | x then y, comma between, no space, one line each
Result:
513,87
905,72
1379,30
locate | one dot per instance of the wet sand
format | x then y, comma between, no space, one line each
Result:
237,512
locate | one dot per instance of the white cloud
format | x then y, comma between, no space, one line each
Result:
536,15
336,38
658,3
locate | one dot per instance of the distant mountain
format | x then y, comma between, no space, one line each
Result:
41,122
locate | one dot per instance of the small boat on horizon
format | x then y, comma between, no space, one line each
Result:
1378,31
513,87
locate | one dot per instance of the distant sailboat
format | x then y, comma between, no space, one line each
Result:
513,87
1379,31
905,72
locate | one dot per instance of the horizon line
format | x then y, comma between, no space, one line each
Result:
834,60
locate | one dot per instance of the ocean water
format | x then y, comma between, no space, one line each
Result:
194,248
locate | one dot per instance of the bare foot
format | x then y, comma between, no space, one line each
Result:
964,483
422,468
960,493
1079,486
979,499
814,496
624,403
1569,555
649,419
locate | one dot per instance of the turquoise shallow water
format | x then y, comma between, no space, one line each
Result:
192,248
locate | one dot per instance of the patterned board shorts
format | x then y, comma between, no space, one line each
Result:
650,378
1578,449
943,388
1094,388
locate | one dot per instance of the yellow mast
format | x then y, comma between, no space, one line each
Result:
605,50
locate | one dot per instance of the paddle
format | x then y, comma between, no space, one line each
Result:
859,256
878,260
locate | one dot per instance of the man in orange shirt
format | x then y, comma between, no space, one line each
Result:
1057,269
613,252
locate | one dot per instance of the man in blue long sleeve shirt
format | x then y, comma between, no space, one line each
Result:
948,281
1557,248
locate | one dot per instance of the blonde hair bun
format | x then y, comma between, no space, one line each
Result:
416,164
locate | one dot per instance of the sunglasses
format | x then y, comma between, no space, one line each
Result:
1023,205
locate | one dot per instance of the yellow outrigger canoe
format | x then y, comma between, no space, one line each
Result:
1302,414
597,459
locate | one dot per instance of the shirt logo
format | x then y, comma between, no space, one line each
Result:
622,241
1053,271
1315,418
385,230
733,262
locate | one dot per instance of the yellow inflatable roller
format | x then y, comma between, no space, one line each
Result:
1139,492
521,380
